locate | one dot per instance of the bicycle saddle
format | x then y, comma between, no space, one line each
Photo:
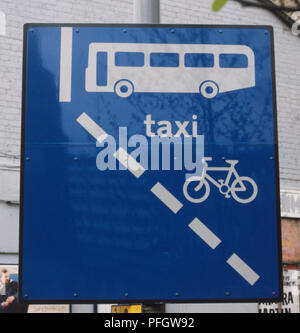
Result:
232,162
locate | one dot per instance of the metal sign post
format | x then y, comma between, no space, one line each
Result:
146,12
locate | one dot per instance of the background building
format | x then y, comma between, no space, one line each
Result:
14,13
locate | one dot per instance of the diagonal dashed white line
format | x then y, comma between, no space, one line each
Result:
243,269
129,162
100,135
204,233
93,128
166,197
169,199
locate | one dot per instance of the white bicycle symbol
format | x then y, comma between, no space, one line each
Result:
240,184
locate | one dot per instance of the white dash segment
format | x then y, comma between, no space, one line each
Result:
93,128
65,76
129,162
204,233
243,269
166,197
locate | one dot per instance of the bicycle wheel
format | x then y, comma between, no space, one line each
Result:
203,197
235,189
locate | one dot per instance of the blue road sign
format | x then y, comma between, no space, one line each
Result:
149,164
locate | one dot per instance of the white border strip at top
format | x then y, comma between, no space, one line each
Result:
65,76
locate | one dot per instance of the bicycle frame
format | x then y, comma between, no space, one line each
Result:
238,183
231,171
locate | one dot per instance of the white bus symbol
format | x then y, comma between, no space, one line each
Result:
125,68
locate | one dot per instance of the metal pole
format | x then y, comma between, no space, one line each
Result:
146,11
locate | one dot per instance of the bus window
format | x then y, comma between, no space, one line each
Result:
199,60
228,60
164,59
130,59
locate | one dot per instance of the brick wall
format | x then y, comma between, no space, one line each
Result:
290,240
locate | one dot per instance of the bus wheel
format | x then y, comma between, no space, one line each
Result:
209,89
124,88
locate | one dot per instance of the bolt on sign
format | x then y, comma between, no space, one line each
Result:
149,164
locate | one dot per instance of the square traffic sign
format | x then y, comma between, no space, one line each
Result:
149,164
